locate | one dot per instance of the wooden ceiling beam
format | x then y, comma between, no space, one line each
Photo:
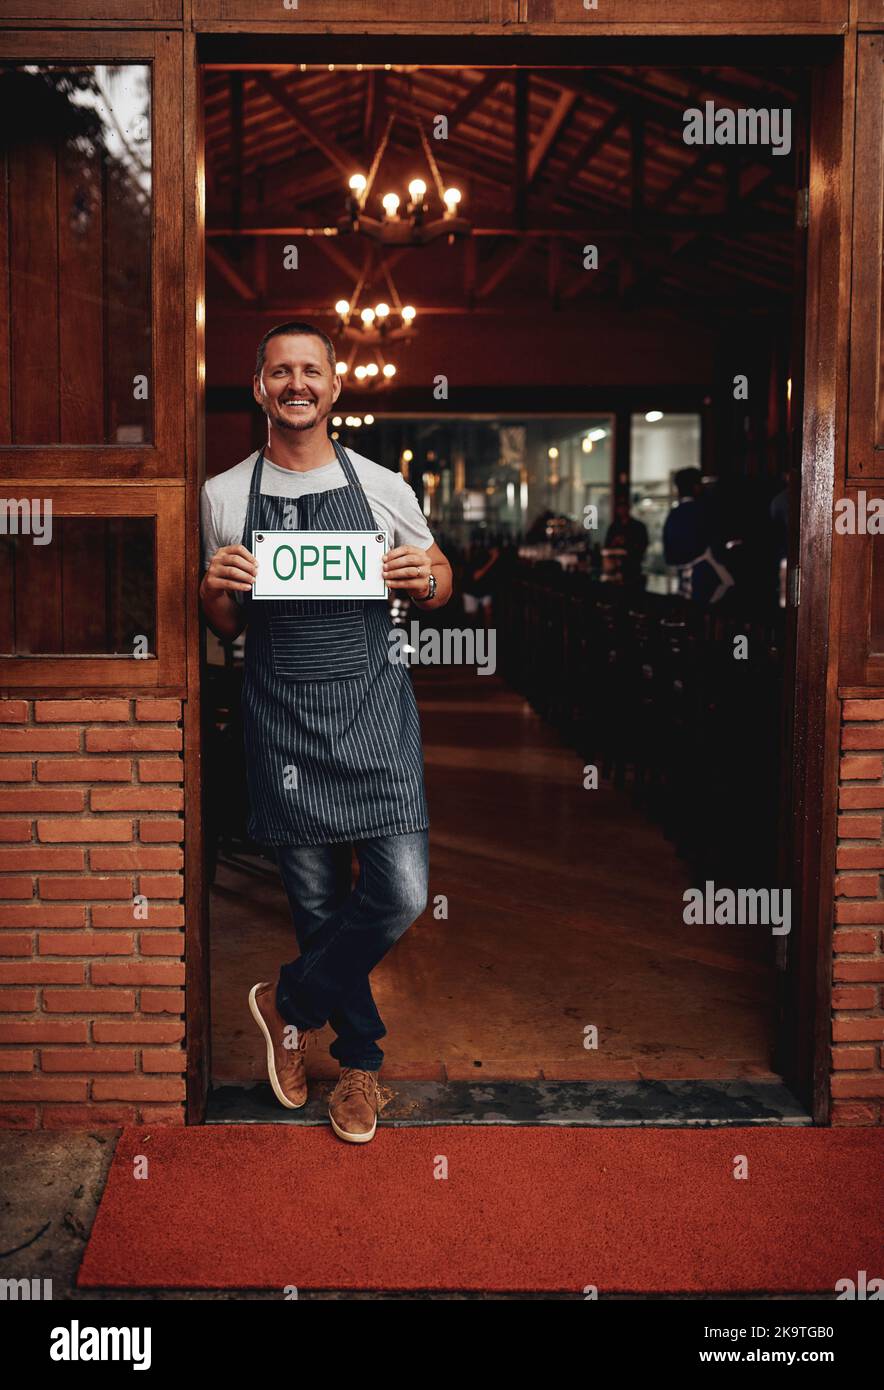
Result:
474,98
637,162
662,107
712,84
368,116
587,150
217,258
688,175
701,241
307,124
557,122
520,146
595,280
327,245
236,124
507,260
612,219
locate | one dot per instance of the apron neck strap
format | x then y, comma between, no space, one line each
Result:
254,503
349,470
363,508
255,484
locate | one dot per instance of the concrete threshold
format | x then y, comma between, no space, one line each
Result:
568,1103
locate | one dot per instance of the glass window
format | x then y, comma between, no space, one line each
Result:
508,477
75,157
90,589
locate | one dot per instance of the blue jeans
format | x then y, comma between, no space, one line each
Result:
343,932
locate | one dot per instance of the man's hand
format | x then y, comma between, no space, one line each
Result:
407,567
231,567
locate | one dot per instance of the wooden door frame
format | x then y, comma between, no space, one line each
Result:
817,706
807,1055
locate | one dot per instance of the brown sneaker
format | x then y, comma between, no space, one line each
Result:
285,1064
353,1107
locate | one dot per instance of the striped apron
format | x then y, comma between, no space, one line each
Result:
330,724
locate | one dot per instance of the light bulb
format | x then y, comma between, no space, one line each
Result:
367,317
371,368
341,368
359,373
597,434
342,307
652,416
409,312
369,420
389,369
358,182
407,456
586,444
416,190
382,310
356,422
390,204
451,197
337,422
553,452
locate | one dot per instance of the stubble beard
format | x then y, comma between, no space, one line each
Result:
278,417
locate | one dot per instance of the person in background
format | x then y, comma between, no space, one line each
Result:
779,518
691,543
479,581
539,530
628,534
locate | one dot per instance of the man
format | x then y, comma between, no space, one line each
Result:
331,729
630,535
690,541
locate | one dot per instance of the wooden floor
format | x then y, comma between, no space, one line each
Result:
564,911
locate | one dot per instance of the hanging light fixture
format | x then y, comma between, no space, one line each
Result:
420,223
371,329
379,323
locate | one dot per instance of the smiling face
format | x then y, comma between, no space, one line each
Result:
297,388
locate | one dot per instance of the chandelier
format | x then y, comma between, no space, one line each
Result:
419,223
371,375
369,331
378,325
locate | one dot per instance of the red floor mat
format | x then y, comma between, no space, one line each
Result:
535,1208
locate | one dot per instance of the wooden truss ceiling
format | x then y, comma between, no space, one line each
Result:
548,159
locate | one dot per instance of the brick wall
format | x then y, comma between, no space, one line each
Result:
858,964
91,995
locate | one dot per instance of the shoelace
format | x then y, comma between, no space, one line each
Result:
355,1080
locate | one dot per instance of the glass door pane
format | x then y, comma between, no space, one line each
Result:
76,164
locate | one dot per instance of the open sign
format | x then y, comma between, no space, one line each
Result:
319,564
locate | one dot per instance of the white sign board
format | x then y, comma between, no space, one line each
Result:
319,564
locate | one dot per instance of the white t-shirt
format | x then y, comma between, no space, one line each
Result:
224,499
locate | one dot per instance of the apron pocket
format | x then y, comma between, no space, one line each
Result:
319,647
